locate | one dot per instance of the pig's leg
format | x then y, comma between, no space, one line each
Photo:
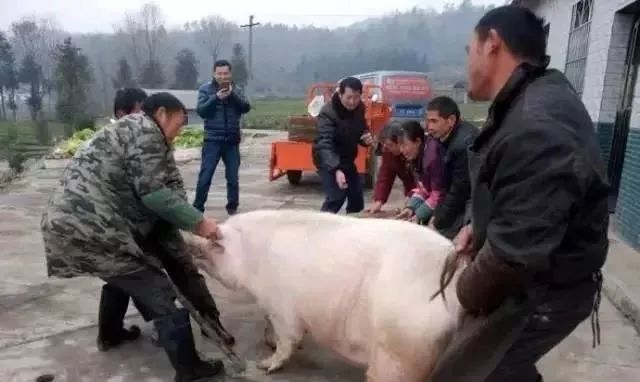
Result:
414,361
388,367
288,334
269,335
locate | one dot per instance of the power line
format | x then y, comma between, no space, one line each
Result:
250,26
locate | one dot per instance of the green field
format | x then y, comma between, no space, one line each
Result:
265,114
272,114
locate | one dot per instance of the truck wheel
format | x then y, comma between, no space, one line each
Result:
294,176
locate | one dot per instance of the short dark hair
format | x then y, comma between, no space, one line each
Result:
413,131
445,107
221,63
126,99
521,30
392,131
351,83
162,99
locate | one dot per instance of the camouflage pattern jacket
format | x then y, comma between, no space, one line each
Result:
95,219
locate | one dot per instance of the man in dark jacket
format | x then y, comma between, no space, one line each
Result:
221,106
393,166
341,127
539,193
443,123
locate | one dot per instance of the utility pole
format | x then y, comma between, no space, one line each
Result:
250,26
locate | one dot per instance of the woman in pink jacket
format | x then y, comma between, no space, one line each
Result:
424,157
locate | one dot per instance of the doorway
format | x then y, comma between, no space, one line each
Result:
623,113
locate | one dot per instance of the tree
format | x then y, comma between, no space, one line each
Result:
130,33
8,78
31,74
144,32
152,75
186,70
38,37
214,34
239,64
124,75
73,77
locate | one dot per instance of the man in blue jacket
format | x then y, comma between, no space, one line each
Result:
221,106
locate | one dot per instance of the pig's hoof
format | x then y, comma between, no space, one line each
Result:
274,367
269,365
264,364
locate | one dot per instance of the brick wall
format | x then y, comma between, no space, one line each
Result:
627,219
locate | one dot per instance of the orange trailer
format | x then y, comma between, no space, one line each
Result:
292,158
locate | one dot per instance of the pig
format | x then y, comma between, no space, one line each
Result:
364,288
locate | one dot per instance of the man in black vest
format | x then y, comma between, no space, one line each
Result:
538,233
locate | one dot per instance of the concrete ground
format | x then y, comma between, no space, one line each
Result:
47,326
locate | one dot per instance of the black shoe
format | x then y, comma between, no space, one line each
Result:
177,339
113,307
232,212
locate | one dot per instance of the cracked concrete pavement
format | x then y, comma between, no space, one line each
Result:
48,326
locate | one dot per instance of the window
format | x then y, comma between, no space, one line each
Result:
578,46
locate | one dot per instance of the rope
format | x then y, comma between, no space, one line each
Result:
237,363
595,316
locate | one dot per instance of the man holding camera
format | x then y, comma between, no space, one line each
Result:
221,105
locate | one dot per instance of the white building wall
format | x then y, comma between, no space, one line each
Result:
603,29
558,15
601,39
608,40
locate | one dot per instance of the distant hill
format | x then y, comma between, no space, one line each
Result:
286,59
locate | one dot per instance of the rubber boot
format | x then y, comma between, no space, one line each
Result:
111,331
176,337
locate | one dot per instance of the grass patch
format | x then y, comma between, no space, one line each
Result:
272,114
29,139
190,137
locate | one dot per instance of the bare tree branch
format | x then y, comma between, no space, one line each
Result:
214,33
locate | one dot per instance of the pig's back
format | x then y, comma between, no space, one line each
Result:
299,239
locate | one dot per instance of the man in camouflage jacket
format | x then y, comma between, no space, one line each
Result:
115,215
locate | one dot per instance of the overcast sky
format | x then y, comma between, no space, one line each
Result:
101,15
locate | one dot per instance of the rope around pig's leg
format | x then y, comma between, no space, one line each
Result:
238,364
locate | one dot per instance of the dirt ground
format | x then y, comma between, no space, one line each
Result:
48,326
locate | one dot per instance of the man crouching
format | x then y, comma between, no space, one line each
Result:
116,215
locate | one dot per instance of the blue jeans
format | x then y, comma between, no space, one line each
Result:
212,152
335,196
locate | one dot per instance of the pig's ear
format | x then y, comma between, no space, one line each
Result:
222,236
